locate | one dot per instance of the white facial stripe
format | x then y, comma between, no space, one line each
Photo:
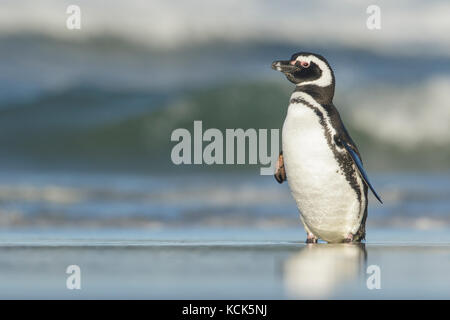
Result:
325,79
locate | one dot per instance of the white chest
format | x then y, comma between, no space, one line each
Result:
328,205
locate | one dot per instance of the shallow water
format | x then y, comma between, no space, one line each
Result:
221,263
212,236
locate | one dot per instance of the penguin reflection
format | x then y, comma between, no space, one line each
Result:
319,269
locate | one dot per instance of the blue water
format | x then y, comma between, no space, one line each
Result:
150,202
94,200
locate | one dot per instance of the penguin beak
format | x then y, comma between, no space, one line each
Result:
285,66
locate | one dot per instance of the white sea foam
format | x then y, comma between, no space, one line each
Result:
407,117
405,25
414,201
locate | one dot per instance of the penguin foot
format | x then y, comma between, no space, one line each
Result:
310,238
349,238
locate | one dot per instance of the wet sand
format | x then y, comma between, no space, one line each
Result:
222,264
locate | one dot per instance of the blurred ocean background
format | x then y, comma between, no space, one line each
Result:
86,115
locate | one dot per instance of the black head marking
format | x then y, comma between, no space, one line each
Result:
311,73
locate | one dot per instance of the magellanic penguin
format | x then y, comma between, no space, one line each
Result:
319,159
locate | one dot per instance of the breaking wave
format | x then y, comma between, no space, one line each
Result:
395,128
407,117
407,26
111,94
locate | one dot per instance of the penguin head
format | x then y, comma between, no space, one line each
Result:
306,68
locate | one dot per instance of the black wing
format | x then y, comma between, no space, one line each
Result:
350,146
357,161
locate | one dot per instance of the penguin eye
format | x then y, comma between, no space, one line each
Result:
304,64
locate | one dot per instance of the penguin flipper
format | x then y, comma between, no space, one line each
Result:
357,160
280,173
